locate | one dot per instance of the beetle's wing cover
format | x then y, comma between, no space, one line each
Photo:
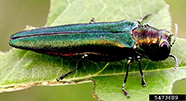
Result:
63,38
120,26
78,39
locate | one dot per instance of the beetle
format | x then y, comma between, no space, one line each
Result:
102,41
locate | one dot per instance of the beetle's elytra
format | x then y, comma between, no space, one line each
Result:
103,41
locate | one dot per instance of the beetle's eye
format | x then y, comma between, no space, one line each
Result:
164,46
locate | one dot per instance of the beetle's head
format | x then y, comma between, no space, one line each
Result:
152,43
164,45
161,49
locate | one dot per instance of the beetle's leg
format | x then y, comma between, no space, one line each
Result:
130,60
91,21
79,64
142,76
146,25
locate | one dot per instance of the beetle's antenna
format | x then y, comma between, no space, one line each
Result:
176,61
139,21
175,36
145,16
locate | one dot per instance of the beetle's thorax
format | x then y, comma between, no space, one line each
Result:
149,41
145,36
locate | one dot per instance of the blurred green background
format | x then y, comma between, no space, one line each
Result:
16,14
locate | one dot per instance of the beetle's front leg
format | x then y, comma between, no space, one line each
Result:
142,76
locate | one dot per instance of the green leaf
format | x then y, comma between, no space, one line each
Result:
21,67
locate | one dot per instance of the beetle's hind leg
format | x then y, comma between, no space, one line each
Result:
129,60
79,65
142,76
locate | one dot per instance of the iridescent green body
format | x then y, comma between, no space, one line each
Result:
110,39
104,41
